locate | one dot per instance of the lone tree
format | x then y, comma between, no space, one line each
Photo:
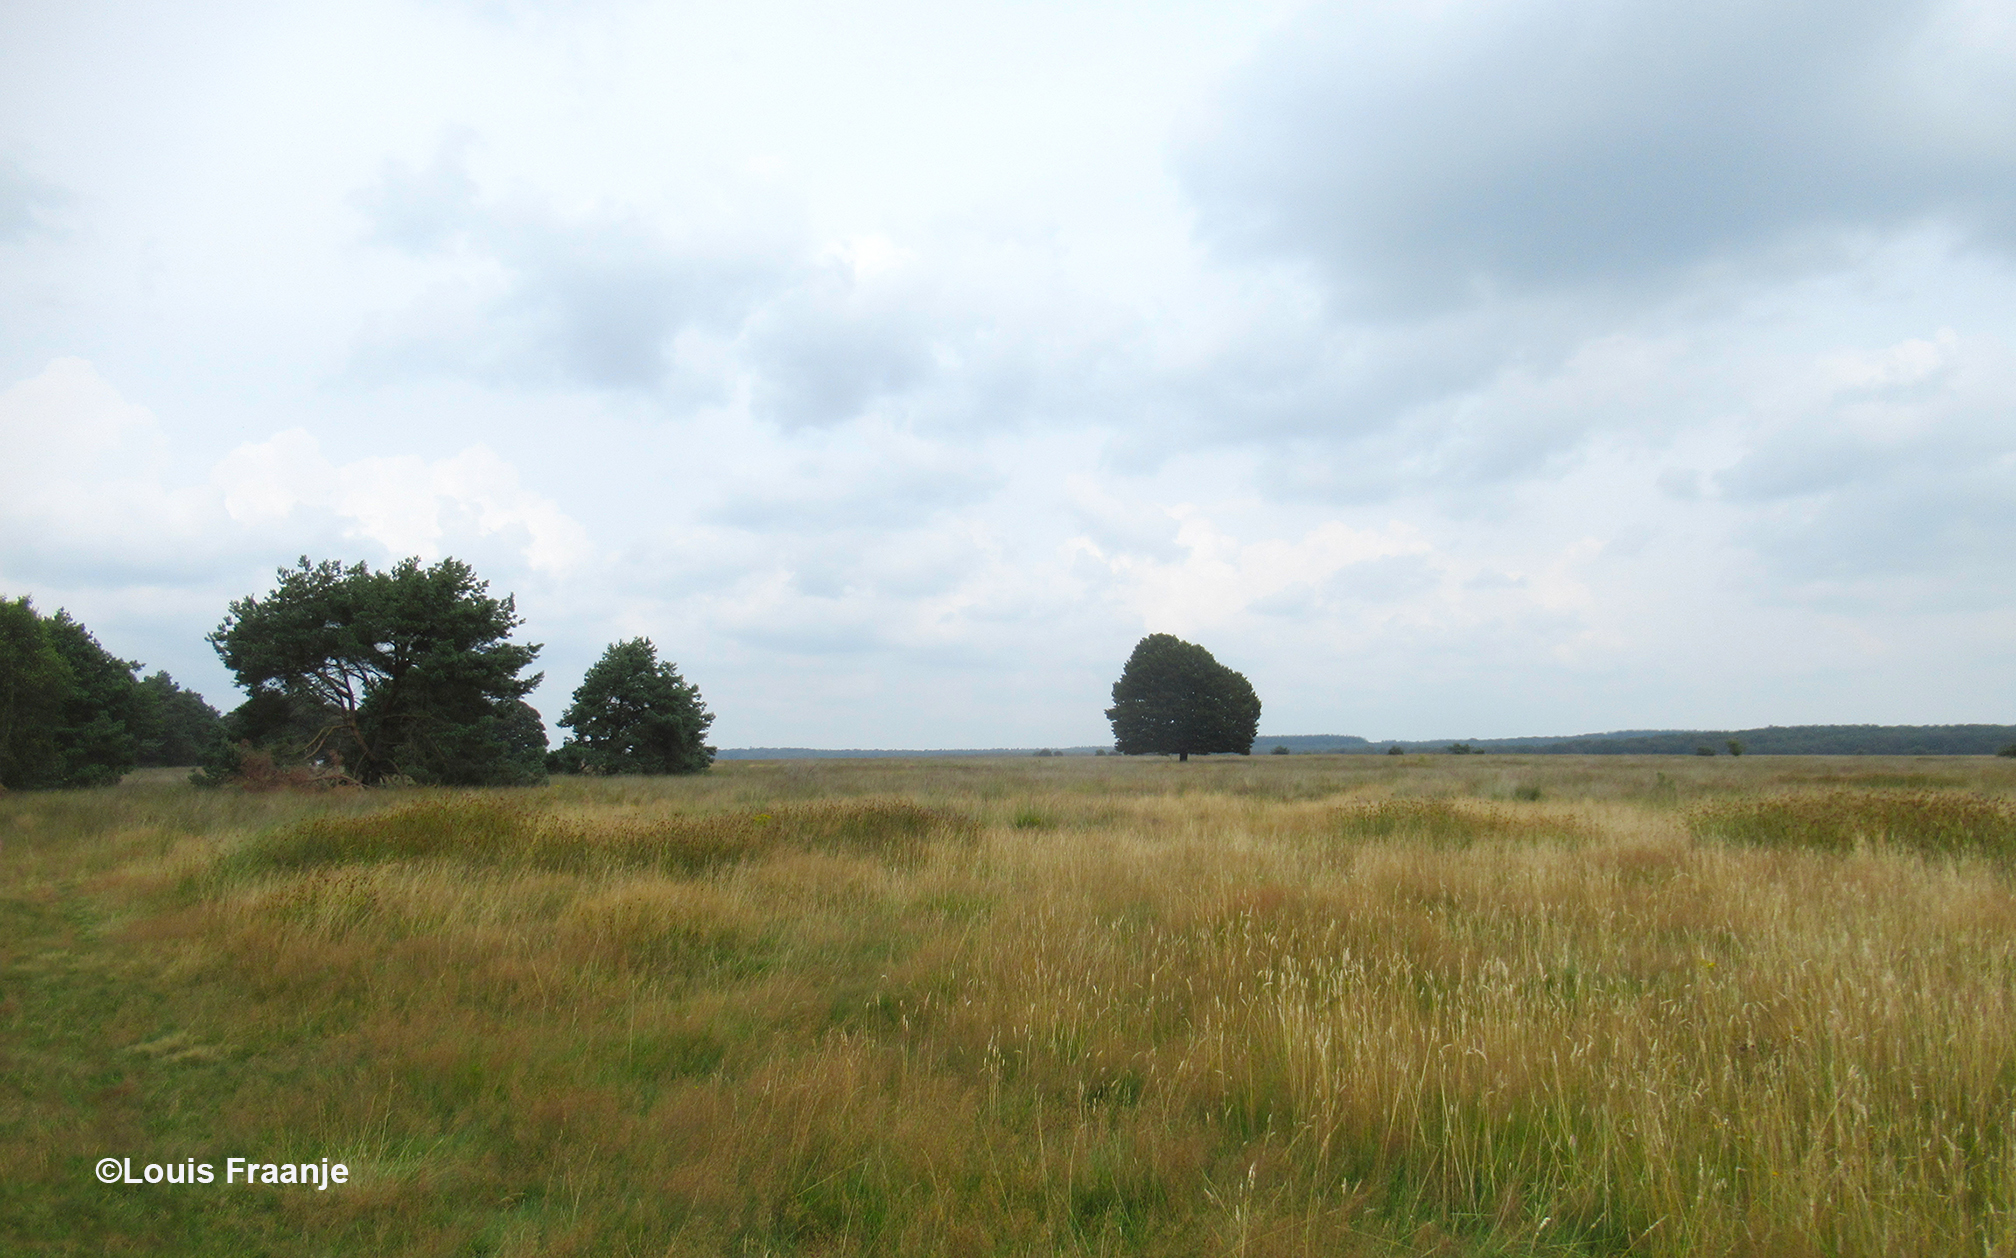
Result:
405,673
1174,698
634,714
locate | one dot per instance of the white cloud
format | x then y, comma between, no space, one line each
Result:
1221,578
405,504
82,483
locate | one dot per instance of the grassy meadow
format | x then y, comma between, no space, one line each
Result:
1278,1005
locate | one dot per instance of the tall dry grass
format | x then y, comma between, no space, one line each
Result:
1285,1005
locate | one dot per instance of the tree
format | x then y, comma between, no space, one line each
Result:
405,673
1173,697
95,741
634,714
175,726
71,713
34,681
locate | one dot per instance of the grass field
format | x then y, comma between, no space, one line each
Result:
1269,1006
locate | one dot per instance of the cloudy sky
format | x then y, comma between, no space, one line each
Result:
1449,367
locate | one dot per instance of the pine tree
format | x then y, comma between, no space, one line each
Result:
634,714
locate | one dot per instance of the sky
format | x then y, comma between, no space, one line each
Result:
1469,368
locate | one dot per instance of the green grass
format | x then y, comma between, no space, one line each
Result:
1279,1005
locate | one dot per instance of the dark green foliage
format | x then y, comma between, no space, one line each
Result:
402,674
1704,751
34,681
94,734
2009,751
1395,750
1462,749
1735,746
1281,751
175,725
71,713
1174,698
635,714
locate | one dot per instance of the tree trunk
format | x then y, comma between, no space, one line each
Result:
1182,757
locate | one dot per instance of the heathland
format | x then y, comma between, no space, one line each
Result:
1255,1006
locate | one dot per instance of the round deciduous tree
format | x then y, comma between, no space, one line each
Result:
1174,698
634,714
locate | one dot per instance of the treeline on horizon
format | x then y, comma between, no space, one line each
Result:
1773,740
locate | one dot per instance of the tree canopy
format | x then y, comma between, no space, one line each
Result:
405,673
636,714
1173,698
176,726
72,714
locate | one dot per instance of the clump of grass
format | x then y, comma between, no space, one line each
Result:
1930,822
486,831
472,829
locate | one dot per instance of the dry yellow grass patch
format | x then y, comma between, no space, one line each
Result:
1293,1005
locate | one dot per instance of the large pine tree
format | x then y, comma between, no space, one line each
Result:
404,673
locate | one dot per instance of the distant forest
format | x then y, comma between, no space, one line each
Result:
1774,740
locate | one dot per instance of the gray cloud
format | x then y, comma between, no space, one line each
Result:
1430,157
850,495
597,300
826,352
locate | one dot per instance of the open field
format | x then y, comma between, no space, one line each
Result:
1281,1005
